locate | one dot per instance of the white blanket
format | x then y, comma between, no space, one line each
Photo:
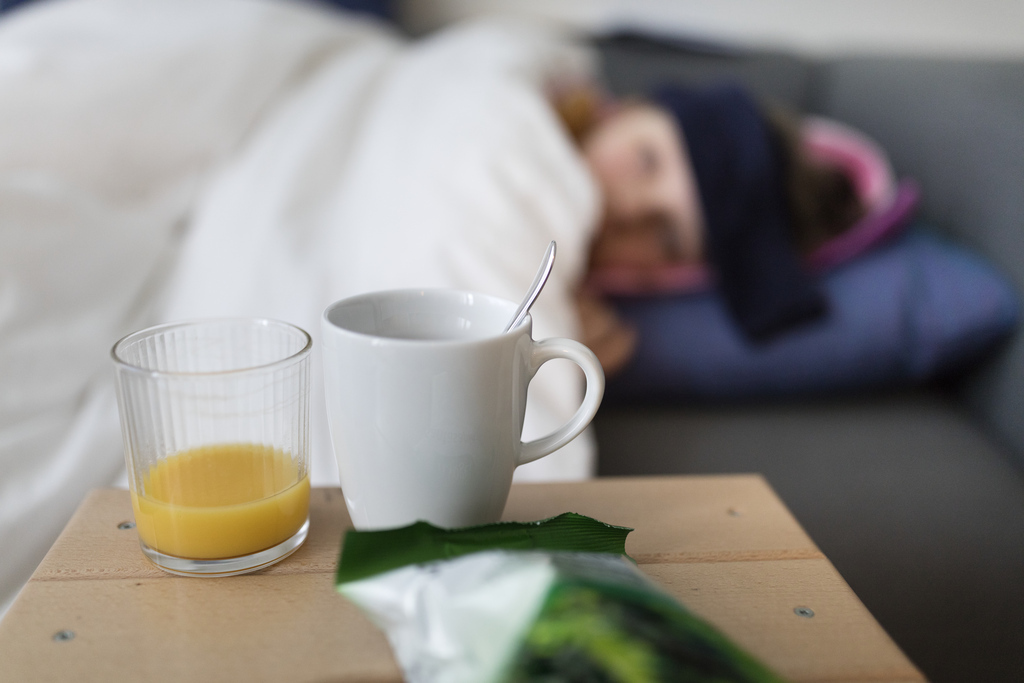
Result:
168,160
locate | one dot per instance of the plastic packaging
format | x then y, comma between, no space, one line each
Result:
555,600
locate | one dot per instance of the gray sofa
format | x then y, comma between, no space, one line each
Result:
917,496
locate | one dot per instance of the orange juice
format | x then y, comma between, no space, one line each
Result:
221,501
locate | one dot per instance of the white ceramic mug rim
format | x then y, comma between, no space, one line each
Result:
526,324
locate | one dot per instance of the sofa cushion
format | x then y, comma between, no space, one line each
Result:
635,64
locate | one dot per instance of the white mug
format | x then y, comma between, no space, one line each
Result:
426,397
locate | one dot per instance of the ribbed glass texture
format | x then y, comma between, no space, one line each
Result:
221,384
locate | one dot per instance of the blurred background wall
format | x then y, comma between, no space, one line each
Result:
982,28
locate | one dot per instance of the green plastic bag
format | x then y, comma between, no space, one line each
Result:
554,601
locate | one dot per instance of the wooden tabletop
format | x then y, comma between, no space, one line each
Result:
726,546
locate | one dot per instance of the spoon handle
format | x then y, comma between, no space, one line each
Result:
538,284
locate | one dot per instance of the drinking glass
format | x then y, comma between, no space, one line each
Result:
215,422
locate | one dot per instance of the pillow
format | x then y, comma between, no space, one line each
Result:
889,207
909,311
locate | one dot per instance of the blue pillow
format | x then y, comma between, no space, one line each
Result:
912,310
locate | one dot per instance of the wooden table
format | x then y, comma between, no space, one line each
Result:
726,546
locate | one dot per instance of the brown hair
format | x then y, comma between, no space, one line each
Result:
823,201
579,107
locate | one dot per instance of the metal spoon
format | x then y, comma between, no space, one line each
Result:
534,291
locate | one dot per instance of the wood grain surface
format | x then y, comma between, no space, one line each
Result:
726,546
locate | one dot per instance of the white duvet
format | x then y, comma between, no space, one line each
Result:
163,160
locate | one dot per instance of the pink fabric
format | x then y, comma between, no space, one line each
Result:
890,205
866,163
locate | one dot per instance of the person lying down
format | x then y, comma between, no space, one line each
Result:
705,174
165,161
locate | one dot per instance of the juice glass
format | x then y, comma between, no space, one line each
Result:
215,422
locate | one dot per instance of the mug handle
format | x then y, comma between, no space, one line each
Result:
550,349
